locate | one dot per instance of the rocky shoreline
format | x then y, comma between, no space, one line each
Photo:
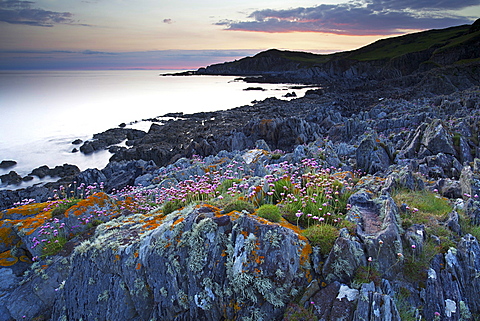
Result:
372,212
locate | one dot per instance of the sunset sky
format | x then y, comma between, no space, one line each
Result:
188,34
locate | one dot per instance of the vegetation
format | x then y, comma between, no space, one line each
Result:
322,235
269,212
63,206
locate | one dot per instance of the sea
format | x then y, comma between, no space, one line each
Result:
43,112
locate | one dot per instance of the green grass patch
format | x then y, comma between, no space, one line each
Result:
322,235
172,206
269,212
64,206
53,246
424,208
239,206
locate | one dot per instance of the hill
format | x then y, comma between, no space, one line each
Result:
384,59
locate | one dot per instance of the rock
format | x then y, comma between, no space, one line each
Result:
452,282
376,303
7,164
11,178
346,256
335,302
379,230
372,157
186,267
77,141
41,171
436,140
261,144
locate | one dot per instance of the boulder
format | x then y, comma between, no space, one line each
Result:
7,164
12,178
372,156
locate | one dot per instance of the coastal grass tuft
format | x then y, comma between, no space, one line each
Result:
323,236
423,207
64,206
54,245
172,206
269,212
239,206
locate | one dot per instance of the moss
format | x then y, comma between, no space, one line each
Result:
239,206
269,212
323,235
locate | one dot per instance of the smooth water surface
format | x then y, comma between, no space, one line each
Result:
42,112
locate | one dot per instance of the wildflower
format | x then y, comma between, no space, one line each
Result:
369,259
414,246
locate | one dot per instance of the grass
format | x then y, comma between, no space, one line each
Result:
322,235
239,206
269,212
423,208
64,206
53,246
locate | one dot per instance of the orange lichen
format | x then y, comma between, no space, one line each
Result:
26,210
135,254
117,258
25,259
179,220
30,224
7,259
139,266
7,235
99,198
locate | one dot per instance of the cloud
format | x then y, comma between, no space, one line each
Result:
367,17
169,21
23,12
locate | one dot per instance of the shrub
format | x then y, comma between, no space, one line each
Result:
239,206
171,206
323,235
64,206
269,212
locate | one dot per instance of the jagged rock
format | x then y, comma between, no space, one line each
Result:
184,266
403,179
449,188
335,302
261,144
452,285
472,210
7,164
345,257
469,182
379,230
376,303
372,157
11,178
415,237
453,222
436,140
441,165
36,296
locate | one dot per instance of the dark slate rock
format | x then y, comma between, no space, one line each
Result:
7,164
12,178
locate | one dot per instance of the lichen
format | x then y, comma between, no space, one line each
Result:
103,296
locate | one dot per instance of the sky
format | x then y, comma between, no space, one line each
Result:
189,34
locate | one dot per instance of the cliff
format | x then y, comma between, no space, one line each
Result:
384,59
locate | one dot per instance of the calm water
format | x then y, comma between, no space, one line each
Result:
42,112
